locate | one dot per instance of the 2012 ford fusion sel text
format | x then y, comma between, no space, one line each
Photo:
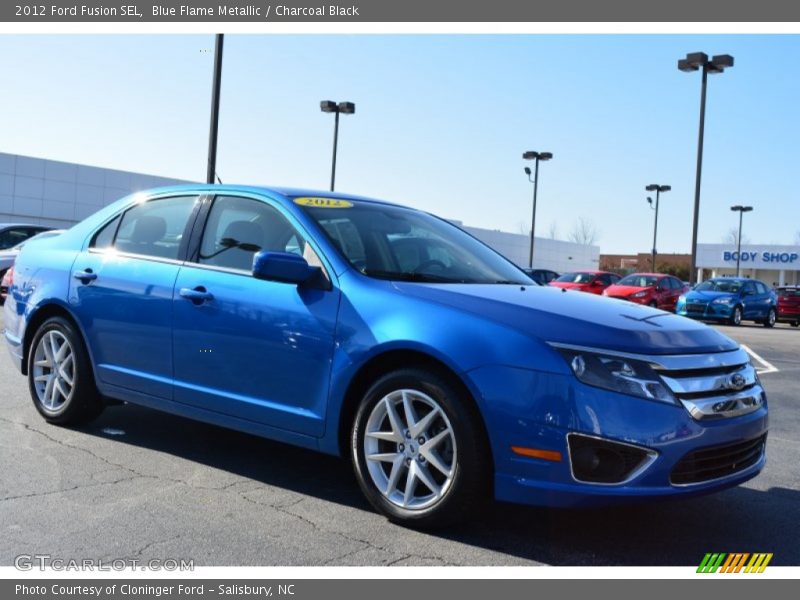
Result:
386,335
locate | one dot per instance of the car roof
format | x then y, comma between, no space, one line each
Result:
288,193
740,279
650,275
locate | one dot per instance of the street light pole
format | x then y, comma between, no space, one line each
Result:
211,170
693,62
741,210
347,108
654,187
536,156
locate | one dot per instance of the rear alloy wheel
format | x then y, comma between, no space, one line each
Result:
736,317
770,320
418,450
796,324
60,375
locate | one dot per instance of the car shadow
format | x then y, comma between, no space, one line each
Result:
675,532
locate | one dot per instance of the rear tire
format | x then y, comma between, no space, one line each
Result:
736,317
60,376
796,324
770,320
417,426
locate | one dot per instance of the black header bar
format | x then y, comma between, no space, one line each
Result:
461,11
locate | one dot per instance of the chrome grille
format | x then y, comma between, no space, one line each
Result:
727,388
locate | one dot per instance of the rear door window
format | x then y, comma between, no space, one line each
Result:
155,228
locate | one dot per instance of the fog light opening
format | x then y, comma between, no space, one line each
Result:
595,460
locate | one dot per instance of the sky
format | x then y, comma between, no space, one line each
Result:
441,122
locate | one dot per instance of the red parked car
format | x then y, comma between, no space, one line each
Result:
789,305
593,282
654,289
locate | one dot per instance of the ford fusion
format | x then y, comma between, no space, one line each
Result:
385,335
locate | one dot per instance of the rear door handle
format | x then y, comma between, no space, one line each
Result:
196,295
85,276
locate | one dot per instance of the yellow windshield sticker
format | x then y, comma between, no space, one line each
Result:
323,202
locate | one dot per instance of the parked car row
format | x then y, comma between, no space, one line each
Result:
722,299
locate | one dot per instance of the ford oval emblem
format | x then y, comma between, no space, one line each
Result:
736,381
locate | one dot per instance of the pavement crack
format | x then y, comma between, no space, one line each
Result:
72,446
140,552
69,489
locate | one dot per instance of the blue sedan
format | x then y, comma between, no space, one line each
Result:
730,299
385,335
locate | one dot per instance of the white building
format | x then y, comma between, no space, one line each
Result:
774,265
59,194
556,255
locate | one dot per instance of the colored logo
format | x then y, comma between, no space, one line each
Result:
323,202
735,562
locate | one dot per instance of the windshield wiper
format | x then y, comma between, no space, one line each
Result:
415,277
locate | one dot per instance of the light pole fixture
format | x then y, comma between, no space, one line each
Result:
345,108
741,210
211,167
693,62
654,187
535,156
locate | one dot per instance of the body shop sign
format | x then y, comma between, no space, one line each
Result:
766,257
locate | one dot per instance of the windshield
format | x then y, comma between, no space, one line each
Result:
576,277
720,285
789,293
400,244
638,280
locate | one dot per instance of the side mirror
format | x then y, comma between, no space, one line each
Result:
284,267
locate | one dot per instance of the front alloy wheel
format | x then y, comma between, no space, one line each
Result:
419,449
410,449
736,317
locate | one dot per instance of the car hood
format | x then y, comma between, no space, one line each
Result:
554,315
624,290
569,285
707,296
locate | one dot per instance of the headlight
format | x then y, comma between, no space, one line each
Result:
723,300
639,294
616,373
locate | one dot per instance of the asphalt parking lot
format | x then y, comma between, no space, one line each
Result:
143,484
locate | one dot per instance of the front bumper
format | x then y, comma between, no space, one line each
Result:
557,405
791,315
708,311
631,298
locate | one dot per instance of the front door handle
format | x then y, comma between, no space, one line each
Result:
196,295
85,276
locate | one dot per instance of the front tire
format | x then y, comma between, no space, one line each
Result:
736,317
419,451
60,375
770,320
